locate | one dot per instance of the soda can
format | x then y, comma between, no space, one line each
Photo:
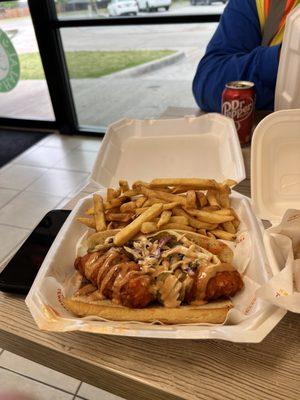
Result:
238,103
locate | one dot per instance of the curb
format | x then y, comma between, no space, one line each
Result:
147,67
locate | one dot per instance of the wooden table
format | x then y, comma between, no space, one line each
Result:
163,369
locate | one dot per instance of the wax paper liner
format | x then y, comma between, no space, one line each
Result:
282,246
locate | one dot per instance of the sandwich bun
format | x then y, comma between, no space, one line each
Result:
210,313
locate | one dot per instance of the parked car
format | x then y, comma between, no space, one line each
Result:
153,5
206,2
117,8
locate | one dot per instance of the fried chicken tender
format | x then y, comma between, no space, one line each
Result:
224,284
136,293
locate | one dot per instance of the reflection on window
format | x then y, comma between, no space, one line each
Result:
118,8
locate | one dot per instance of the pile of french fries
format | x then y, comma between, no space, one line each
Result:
196,205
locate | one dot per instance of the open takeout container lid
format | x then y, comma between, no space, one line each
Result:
187,147
275,165
287,94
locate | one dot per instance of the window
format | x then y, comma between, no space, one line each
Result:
104,60
132,71
30,97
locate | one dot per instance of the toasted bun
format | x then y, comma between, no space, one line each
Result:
99,237
211,313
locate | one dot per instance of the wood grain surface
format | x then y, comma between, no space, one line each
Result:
162,369
140,369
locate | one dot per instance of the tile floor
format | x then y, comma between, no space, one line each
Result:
44,177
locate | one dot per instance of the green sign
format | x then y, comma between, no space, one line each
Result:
9,64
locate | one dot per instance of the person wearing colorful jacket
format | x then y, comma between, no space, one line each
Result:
245,46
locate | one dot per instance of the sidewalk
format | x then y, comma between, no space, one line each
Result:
101,101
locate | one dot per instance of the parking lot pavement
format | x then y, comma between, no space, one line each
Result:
187,9
121,37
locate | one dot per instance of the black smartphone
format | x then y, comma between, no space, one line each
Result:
21,270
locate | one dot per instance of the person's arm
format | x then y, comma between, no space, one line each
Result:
234,53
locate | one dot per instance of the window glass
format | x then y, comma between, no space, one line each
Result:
100,8
132,71
30,98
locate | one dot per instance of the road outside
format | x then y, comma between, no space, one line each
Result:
100,101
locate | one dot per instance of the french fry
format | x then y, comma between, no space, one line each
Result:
192,183
110,225
179,219
164,218
210,217
99,213
169,197
193,222
118,224
191,199
139,211
153,200
169,206
175,220
230,182
90,222
129,193
137,184
123,185
148,227
117,193
166,189
211,235
223,235
140,202
229,227
201,199
212,227
178,226
120,217
180,189
212,197
128,207
108,205
134,227
182,205
115,210
223,211
110,194
224,196
211,208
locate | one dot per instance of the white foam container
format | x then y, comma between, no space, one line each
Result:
205,146
287,94
275,173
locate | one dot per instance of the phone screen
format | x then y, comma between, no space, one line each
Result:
21,270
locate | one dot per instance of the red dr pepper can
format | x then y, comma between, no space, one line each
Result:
238,103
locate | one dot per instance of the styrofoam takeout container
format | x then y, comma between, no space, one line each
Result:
287,94
275,183
206,146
